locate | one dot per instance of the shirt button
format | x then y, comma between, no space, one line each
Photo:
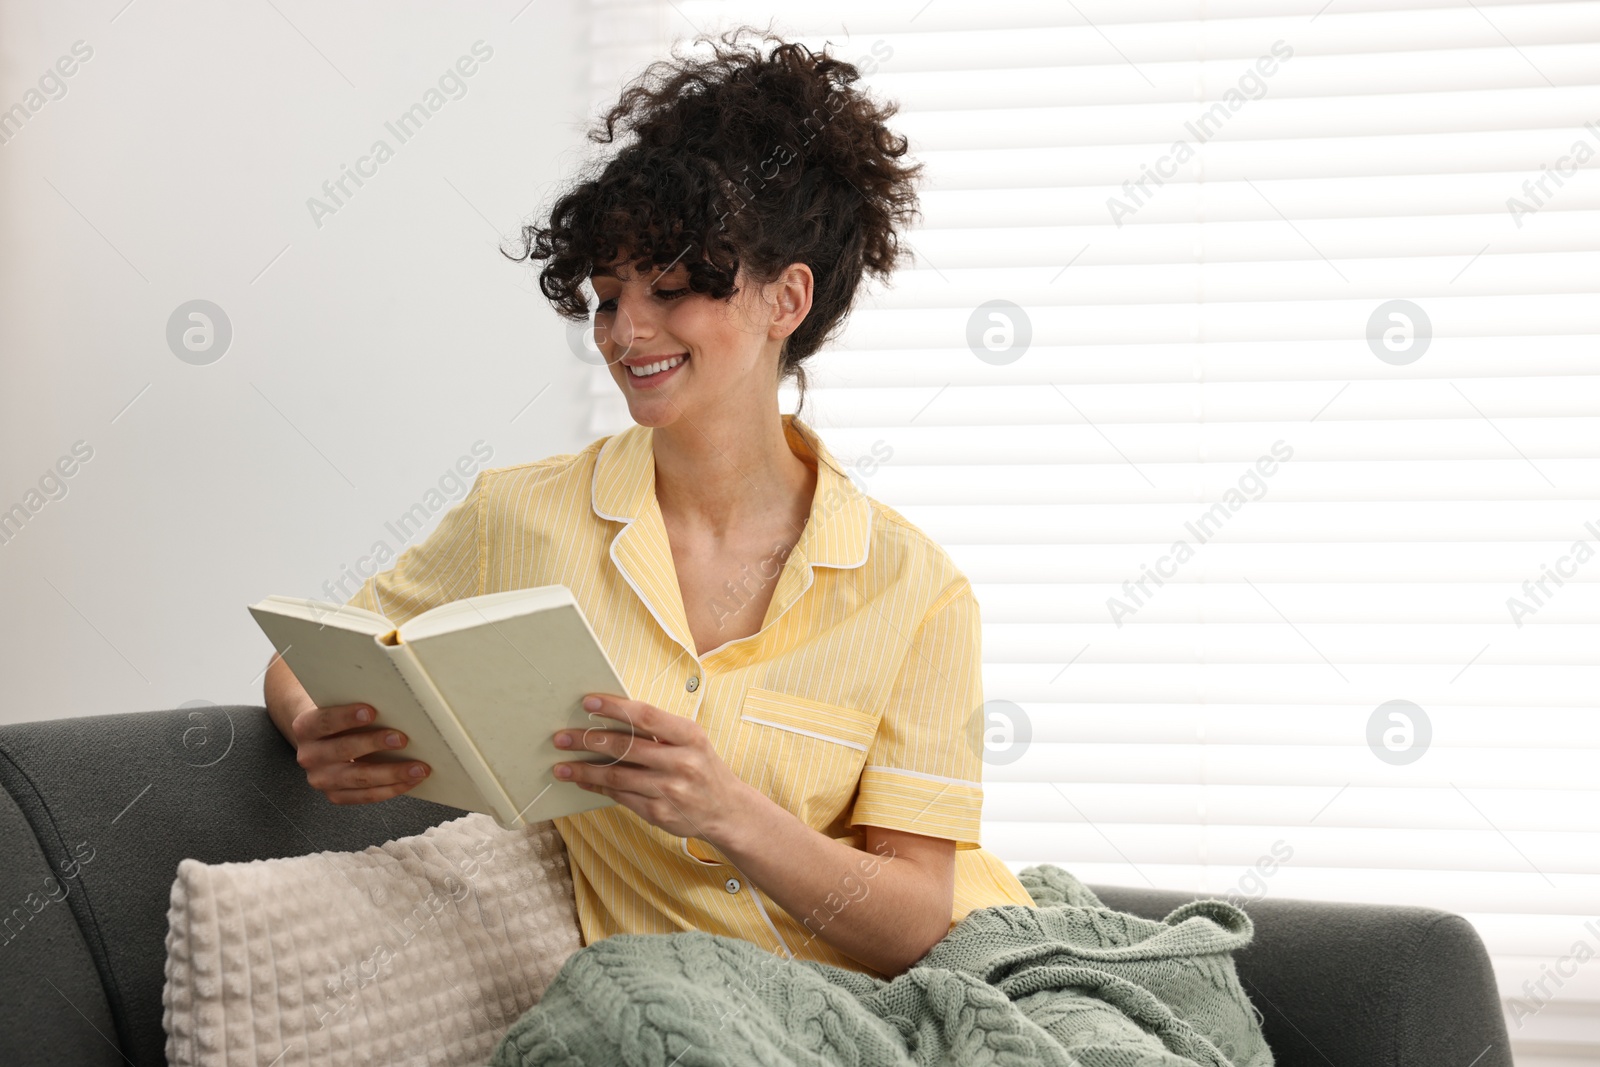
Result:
731,885
693,683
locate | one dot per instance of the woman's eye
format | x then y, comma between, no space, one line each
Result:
608,306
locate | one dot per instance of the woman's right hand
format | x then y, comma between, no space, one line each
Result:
336,746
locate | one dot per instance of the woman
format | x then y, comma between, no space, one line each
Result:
805,662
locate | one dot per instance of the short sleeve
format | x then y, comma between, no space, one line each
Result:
444,566
924,767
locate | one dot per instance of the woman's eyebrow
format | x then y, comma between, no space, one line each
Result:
607,272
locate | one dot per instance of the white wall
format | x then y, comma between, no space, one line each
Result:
371,348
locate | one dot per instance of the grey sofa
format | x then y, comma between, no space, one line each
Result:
103,808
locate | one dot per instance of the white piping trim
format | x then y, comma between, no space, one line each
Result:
809,733
644,599
684,841
755,896
919,774
818,448
867,550
611,552
629,520
811,579
594,482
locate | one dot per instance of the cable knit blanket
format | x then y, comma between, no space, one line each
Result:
1069,983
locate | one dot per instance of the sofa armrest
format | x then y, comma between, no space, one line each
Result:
141,792
53,1009
1376,985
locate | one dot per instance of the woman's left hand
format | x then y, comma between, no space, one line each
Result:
667,772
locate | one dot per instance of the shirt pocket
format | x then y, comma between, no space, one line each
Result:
804,754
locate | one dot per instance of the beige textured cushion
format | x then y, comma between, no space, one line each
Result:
423,950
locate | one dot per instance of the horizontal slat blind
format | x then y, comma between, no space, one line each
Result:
1179,333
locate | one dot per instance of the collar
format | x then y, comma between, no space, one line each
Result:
837,531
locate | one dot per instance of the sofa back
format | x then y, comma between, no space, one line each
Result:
97,812
95,815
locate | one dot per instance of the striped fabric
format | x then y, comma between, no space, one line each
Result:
857,703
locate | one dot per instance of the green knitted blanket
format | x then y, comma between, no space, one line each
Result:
1069,983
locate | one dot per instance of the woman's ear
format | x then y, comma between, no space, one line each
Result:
793,300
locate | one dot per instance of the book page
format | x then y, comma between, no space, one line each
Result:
473,610
347,666
346,616
512,684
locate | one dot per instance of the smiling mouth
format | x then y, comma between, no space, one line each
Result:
658,367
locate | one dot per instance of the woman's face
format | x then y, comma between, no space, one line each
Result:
705,355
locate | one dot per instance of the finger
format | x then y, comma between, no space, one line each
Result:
615,745
342,748
318,723
610,743
646,719
632,801
355,744
363,774
369,796
624,777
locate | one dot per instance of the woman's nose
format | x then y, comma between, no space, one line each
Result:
632,323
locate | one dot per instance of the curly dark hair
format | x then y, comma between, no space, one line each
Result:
739,158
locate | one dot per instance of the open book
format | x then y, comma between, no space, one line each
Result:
480,686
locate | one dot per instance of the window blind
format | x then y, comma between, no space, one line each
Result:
1249,369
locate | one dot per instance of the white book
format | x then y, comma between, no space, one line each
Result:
480,686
